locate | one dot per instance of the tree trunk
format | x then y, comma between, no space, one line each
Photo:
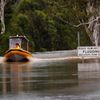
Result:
93,29
2,5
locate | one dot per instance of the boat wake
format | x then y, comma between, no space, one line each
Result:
2,59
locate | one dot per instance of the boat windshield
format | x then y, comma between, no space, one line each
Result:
13,42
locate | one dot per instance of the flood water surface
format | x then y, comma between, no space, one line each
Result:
50,79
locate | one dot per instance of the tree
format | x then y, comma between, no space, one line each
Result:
2,14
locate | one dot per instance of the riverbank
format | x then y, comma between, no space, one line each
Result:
55,54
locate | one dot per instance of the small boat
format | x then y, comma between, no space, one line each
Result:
18,49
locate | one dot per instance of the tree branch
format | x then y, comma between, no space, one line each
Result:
78,25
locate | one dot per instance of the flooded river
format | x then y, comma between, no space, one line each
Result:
50,76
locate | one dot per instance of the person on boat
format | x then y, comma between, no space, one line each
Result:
17,45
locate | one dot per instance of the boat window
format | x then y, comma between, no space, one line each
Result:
12,42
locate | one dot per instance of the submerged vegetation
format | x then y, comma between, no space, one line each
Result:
47,23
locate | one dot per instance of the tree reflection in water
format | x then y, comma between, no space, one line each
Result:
18,78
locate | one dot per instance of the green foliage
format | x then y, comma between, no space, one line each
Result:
3,43
44,23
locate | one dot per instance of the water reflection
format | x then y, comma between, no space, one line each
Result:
12,76
49,78
15,78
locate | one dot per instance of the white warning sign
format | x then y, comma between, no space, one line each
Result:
88,51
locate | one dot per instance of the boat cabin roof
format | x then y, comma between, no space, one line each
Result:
20,37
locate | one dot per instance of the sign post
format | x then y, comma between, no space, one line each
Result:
78,37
